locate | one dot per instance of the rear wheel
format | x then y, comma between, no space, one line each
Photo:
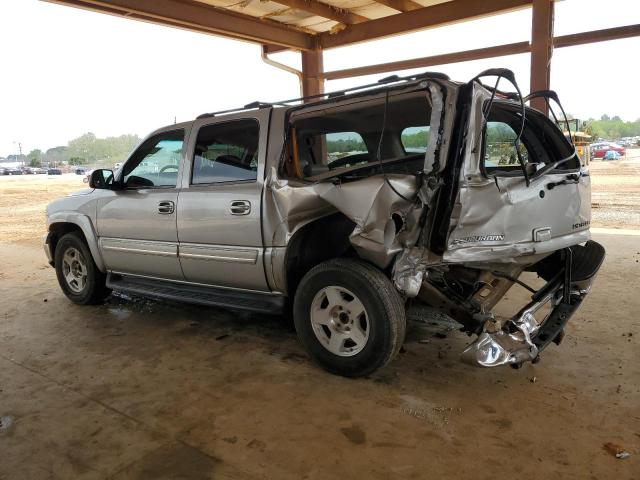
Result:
349,316
77,273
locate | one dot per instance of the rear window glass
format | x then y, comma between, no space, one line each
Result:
500,151
542,143
415,139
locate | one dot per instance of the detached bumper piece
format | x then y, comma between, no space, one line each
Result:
569,274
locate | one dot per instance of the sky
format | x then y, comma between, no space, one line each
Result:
66,71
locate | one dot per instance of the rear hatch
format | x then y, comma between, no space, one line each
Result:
522,189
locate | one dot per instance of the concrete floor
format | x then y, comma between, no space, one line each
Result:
149,390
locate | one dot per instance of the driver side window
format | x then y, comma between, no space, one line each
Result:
155,163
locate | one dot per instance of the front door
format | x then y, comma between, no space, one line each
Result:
220,201
137,223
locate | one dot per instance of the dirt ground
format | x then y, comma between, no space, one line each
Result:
137,389
615,192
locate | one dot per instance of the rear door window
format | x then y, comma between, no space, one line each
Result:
226,152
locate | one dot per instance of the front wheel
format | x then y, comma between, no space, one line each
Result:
79,277
349,317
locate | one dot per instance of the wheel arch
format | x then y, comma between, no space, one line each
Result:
317,241
63,223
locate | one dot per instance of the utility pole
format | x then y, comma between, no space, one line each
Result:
20,152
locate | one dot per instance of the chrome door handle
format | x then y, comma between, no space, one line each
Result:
166,207
240,207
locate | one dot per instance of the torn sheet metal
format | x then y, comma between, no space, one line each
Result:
290,207
492,349
408,271
385,222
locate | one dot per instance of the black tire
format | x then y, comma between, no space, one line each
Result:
384,315
93,290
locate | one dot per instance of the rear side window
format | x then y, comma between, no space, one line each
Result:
415,139
226,152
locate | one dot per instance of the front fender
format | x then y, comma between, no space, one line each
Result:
85,224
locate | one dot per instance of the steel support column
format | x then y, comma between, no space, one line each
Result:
312,69
541,49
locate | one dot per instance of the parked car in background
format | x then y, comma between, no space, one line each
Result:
13,171
612,155
80,171
598,150
54,171
40,170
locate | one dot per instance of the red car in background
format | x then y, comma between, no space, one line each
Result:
598,150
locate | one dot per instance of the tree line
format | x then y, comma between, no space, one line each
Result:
87,149
409,140
611,128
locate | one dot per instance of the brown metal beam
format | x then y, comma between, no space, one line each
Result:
400,5
312,73
200,17
489,52
541,49
604,35
324,10
423,18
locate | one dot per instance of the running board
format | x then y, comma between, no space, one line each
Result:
198,294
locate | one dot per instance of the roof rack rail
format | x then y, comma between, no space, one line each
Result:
380,84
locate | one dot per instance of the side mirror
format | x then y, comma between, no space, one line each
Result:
101,178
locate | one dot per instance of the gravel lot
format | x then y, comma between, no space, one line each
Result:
615,196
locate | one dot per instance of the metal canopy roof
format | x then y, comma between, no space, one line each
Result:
311,26
301,24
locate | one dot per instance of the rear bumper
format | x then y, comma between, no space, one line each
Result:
523,337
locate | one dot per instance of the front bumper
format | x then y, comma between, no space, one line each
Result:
522,338
47,248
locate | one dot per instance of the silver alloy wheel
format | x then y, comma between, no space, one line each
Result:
339,321
74,269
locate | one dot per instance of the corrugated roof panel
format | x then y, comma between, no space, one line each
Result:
307,21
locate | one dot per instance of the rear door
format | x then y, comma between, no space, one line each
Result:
218,216
497,215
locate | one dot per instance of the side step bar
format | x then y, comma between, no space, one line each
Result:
198,294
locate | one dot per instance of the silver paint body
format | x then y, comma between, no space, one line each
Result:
203,242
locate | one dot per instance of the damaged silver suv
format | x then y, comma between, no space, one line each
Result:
350,210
